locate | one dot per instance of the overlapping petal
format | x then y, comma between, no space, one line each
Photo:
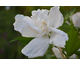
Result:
25,26
56,52
58,37
35,15
55,17
39,16
36,47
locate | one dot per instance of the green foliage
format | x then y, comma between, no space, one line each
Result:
23,40
77,53
66,27
69,14
73,44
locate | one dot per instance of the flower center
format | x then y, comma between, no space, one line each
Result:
44,26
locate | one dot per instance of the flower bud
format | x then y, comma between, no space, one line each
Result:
76,19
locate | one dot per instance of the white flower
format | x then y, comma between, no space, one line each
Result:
42,25
58,54
76,19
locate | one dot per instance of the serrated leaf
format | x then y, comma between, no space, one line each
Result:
23,40
69,14
73,44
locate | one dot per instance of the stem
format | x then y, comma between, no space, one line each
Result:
61,52
65,55
68,23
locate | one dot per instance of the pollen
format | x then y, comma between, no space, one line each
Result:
44,25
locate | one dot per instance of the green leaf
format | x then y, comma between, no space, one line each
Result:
73,44
65,27
77,53
23,40
69,14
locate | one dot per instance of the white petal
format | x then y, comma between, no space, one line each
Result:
25,26
35,14
58,37
57,31
78,49
56,52
58,55
42,34
73,56
76,19
56,17
54,30
37,47
43,14
39,16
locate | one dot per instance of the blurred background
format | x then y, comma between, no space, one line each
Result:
7,33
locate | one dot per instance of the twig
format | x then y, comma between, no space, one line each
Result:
61,52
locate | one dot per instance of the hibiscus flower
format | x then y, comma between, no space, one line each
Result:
43,26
